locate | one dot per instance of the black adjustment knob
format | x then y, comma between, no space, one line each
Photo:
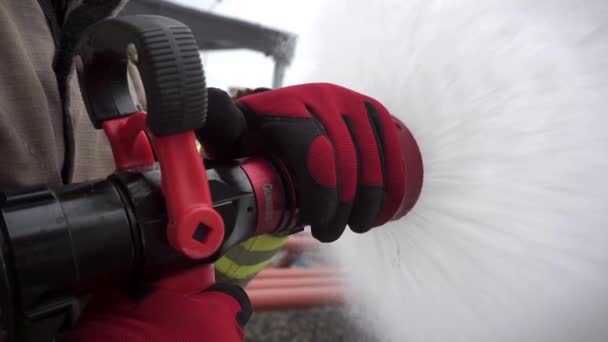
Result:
167,57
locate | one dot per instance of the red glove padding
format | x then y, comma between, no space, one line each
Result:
341,147
217,314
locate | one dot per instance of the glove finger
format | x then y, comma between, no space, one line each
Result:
363,126
346,168
393,164
332,230
310,158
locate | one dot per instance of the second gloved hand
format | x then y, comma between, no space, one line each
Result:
173,309
341,147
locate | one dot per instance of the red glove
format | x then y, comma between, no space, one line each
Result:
217,314
341,147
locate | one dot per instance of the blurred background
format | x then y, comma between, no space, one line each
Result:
249,44
247,68
244,34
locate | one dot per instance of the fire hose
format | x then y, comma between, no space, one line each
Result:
164,209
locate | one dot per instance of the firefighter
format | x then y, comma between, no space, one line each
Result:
341,146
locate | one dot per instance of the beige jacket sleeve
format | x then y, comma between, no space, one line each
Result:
31,132
32,136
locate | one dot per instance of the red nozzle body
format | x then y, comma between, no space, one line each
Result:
414,170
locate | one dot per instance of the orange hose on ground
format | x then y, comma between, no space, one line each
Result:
295,298
285,282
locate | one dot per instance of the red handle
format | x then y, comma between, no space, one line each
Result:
195,228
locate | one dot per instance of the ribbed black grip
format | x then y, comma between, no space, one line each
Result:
167,57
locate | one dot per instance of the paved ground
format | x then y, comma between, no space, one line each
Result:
323,324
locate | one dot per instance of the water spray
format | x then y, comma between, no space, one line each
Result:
507,101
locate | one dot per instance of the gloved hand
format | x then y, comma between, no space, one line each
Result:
165,314
341,147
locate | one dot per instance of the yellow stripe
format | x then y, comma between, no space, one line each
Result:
264,243
245,257
233,270
240,261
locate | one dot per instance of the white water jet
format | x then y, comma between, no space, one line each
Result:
509,103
